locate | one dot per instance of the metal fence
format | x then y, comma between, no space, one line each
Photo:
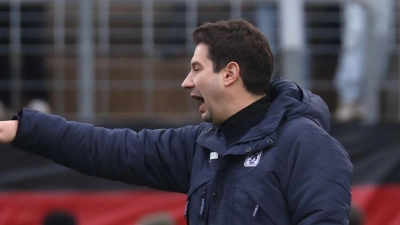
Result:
125,59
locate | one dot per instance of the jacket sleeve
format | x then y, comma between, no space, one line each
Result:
159,159
317,180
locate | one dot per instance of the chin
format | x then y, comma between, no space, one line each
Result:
206,118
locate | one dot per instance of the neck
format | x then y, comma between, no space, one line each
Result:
238,102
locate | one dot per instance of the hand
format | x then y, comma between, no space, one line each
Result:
8,131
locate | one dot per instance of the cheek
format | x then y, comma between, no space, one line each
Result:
214,96
207,83
200,81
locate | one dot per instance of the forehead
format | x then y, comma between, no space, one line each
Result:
200,54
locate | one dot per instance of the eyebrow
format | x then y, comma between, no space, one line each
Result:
195,63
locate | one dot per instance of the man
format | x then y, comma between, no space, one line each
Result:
261,156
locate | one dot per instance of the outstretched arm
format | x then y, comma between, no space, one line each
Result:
8,131
158,159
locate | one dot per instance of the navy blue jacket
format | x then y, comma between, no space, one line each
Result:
286,170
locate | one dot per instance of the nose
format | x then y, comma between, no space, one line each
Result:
188,82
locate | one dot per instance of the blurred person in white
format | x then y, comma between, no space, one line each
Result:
267,20
32,25
367,40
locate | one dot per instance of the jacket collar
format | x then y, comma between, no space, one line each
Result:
289,101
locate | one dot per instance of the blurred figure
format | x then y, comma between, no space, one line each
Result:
366,43
59,218
267,20
356,216
32,25
172,43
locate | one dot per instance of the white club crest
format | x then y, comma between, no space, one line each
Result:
252,159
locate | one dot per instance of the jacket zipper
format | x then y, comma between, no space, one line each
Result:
185,215
255,211
203,200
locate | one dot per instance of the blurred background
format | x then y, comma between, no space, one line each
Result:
120,63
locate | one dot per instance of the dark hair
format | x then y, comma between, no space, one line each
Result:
356,215
241,42
59,218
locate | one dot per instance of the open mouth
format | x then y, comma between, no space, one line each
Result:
200,100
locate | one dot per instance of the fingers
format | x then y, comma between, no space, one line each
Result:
8,131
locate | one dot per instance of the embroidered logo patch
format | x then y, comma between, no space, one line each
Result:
252,159
213,155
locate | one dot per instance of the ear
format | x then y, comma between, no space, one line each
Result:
231,73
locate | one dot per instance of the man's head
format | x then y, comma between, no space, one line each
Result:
239,41
231,57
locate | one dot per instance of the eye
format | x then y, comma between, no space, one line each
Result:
196,69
